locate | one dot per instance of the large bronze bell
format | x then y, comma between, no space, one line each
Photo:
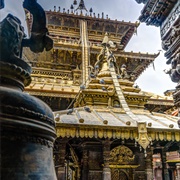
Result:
27,127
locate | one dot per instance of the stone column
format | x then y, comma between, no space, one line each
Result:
149,166
60,153
85,163
106,157
178,171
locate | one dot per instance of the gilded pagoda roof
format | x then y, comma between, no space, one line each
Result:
115,117
51,76
59,24
114,123
55,79
159,99
109,106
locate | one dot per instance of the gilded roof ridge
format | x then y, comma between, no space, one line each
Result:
135,24
157,96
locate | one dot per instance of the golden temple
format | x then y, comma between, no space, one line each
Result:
107,128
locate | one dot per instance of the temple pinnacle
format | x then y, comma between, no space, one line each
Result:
81,6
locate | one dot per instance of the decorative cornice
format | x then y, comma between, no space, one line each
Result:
51,94
85,131
124,166
76,16
125,34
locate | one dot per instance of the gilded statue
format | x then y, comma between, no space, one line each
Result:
123,71
106,54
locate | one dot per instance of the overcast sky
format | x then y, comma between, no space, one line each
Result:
146,40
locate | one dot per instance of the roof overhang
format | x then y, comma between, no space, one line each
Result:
116,124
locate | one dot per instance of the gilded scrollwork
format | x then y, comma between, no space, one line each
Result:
121,155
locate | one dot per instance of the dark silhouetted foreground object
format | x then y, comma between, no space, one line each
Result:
38,38
27,127
1,4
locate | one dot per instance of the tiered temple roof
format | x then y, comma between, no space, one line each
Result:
58,73
102,110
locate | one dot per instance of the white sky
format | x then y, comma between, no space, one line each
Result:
147,39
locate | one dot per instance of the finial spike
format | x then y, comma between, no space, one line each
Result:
75,2
81,6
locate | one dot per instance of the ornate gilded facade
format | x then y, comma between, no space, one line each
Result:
107,128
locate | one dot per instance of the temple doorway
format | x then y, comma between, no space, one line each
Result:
122,163
118,174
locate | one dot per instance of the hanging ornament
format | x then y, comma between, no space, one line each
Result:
75,2
145,153
135,144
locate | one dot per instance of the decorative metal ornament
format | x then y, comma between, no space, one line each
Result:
143,138
81,6
121,155
75,2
